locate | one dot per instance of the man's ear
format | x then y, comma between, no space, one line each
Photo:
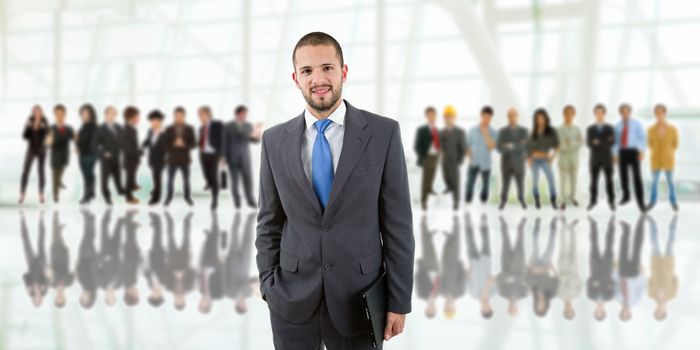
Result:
345,72
294,77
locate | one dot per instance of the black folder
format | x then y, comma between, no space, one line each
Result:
374,304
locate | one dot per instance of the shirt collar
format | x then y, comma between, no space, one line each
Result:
337,117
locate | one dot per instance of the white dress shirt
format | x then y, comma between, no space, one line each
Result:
334,134
208,149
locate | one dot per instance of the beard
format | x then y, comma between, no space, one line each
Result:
326,103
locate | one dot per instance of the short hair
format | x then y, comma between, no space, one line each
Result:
487,110
660,106
179,109
130,112
429,109
569,107
600,106
156,114
317,39
240,109
59,107
623,106
206,109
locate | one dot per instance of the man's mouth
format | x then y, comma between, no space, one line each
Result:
321,90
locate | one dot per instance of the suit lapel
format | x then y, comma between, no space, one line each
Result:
354,142
293,147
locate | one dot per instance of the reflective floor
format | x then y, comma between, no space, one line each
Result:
125,278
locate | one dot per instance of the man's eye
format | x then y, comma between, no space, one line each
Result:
328,68
306,71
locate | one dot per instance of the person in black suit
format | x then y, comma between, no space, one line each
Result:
87,154
179,140
131,152
109,148
155,142
35,131
210,151
59,139
427,148
600,138
237,137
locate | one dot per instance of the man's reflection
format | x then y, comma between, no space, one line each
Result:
663,282
481,283
181,275
454,275
600,287
241,283
630,284
570,284
156,271
511,279
110,246
209,263
35,279
541,274
87,268
131,260
61,275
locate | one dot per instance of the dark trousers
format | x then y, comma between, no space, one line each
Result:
210,169
429,167
450,174
131,171
596,169
318,332
241,169
185,170
56,180
629,160
109,168
506,176
87,170
472,172
156,176
28,160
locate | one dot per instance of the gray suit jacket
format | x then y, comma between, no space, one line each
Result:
235,143
304,252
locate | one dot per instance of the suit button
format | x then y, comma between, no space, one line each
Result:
327,267
325,228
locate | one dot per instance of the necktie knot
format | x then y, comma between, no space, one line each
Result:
322,124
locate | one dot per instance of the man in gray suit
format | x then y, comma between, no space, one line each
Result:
453,141
326,231
235,145
511,143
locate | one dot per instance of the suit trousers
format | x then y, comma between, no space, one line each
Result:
157,178
109,168
607,169
318,332
629,160
241,169
28,160
429,167
185,170
131,172
210,170
509,174
57,180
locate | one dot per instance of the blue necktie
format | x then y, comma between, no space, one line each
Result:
322,163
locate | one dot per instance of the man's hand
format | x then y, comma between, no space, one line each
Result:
641,156
394,325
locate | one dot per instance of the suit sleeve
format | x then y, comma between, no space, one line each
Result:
396,226
271,219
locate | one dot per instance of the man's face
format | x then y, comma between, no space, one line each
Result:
512,117
319,76
110,115
599,115
134,120
179,118
241,116
430,117
625,112
660,114
569,115
60,116
486,118
449,119
204,116
155,123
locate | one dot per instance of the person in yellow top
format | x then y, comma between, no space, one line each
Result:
663,283
662,138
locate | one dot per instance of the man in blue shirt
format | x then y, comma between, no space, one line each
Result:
630,144
481,141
